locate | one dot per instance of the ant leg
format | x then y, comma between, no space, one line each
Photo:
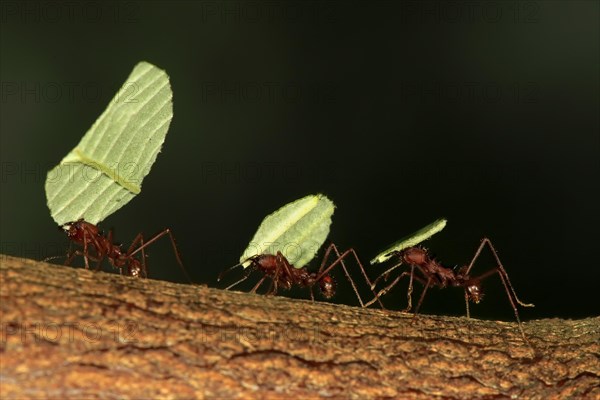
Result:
70,255
281,263
340,259
166,231
80,253
500,267
247,273
67,257
272,288
85,249
410,288
100,253
422,296
255,288
98,262
139,238
89,238
507,285
467,303
389,287
226,271
272,291
385,275
283,268
510,291
386,289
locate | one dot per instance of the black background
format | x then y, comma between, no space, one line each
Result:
485,113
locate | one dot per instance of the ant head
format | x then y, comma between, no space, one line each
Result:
474,292
66,227
253,261
136,270
327,285
72,229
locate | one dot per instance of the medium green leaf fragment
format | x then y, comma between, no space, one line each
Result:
297,230
410,240
105,170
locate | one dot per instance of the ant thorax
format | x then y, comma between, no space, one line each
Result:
419,256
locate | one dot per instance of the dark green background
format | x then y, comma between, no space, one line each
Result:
483,112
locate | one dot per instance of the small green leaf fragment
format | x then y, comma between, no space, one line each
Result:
297,230
410,240
105,170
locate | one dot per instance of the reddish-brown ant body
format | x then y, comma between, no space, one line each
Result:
283,274
435,274
97,247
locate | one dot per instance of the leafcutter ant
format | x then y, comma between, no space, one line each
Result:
97,247
433,273
284,275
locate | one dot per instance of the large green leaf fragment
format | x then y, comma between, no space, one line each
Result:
105,170
297,230
410,240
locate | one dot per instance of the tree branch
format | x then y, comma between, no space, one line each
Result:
73,333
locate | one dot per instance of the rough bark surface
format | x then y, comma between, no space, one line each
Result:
73,333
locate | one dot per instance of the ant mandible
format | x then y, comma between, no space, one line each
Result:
97,247
435,274
283,274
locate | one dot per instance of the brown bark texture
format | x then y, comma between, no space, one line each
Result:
73,333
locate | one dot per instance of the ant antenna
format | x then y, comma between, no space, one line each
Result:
247,273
